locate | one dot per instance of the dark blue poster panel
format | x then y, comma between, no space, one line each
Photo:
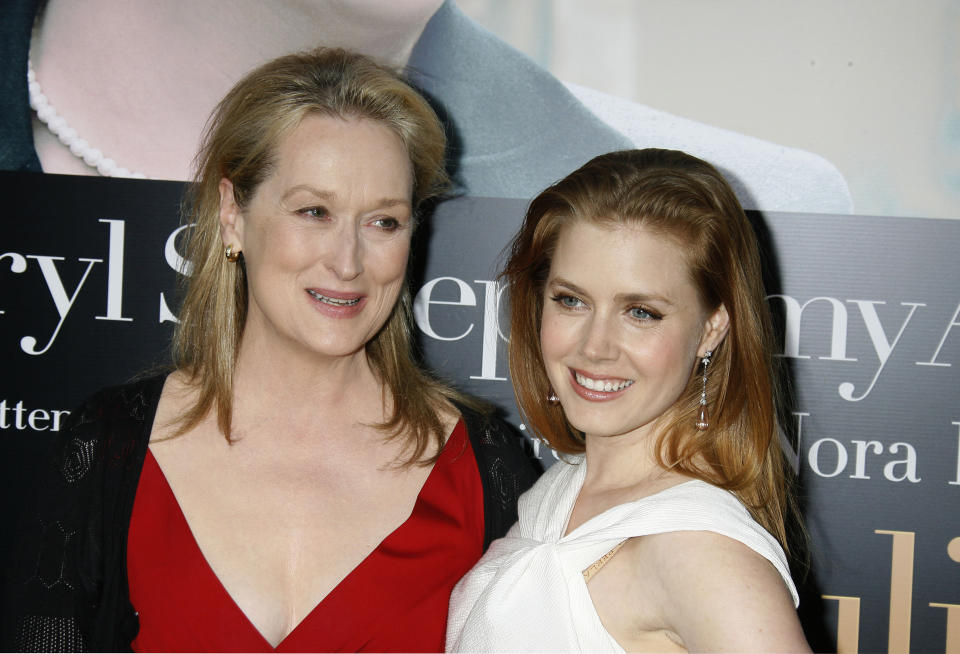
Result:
868,314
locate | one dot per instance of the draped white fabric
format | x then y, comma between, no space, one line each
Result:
527,593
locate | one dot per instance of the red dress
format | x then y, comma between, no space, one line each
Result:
395,600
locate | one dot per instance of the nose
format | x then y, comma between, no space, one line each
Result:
345,255
598,341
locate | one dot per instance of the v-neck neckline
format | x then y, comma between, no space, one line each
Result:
353,576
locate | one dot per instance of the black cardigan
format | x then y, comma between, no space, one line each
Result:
69,590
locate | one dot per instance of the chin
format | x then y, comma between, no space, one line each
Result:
599,428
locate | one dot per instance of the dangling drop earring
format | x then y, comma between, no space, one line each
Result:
704,420
552,398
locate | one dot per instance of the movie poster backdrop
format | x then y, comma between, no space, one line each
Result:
869,322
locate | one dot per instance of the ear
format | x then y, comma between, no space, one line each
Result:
714,330
231,217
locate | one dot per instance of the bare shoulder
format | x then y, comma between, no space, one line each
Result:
449,416
177,385
716,593
178,397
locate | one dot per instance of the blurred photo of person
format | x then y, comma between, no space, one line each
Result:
124,84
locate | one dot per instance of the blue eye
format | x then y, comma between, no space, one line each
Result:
567,301
314,212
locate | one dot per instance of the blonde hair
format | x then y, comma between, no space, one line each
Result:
239,144
687,200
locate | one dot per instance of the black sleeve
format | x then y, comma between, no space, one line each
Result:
45,591
507,469
65,586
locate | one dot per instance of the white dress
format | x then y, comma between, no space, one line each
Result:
527,593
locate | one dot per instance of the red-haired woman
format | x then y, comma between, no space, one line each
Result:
640,345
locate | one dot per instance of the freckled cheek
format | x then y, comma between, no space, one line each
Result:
659,358
556,340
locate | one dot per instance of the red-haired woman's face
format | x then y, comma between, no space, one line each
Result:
623,327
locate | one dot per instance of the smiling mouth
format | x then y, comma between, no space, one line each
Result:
332,301
603,385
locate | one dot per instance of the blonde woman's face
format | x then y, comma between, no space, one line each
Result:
622,327
326,237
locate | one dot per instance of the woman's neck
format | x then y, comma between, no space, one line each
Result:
138,78
273,377
627,463
620,469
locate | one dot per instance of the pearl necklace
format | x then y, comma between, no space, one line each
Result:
68,136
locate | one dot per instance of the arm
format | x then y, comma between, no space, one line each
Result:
45,591
65,589
703,591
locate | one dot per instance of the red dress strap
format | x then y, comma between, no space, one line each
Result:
395,600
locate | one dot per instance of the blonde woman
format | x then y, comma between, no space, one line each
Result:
296,482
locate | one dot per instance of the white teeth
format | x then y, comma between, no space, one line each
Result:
332,300
606,386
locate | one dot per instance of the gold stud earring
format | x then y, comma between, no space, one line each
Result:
230,255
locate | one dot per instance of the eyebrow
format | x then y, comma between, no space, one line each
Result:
384,203
626,298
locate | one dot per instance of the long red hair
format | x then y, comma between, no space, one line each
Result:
689,201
